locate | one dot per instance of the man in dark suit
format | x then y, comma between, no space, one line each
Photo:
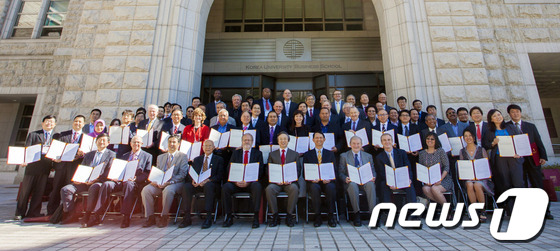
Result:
532,165
101,156
245,155
382,97
36,173
129,187
319,155
364,103
330,126
210,186
333,117
65,170
265,102
152,123
127,117
312,111
174,127
355,125
478,126
269,133
283,156
235,110
431,124
406,128
94,115
338,104
431,109
384,124
417,105
289,107
211,107
394,158
283,119
356,158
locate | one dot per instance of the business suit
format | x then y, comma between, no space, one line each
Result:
361,124
257,124
332,127
86,129
211,109
129,188
225,153
333,109
265,135
64,171
272,190
289,111
157,127
483,129
309,120
284,121
363,111
216,165
180,161
314,189
170,128
264,112
68,191
387,108
235,114
448,128
255,188
412,129
532,171
352,188
400,159
35,178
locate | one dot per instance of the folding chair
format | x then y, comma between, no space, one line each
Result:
241,195
118,195
361,193
307,211
281,195
201,196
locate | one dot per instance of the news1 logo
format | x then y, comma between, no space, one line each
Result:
526,220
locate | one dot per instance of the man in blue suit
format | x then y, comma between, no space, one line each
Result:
399,159
453,128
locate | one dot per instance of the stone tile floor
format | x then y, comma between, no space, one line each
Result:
15,235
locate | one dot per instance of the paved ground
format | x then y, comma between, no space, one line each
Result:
17,236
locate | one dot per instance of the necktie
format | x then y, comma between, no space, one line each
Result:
383,129
244,128
267,104
150,125
347,119
169,160
271,136
356,160
319,156
205,165
283,157
175,130
97,158
338,107
287,109
132,157
279,119
47,139
353,125
406,131
246,158
310,112
75,137
518,126
254,122
391,160
478,133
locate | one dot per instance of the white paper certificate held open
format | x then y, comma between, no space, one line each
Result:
397,177
20,155
160,177
323,171
62,151
360,175
428,175
85,174
478,169
244,172
509,146
279,174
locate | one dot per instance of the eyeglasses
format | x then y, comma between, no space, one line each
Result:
430,139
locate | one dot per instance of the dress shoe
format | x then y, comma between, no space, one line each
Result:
274,221
186,222
150,222
256,222
549,216
125,222
207,223
85,220
163,221
228,221
318,222
357,220
332,221
93,220
18,217
290,222
68,218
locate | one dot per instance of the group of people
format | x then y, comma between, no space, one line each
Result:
274,123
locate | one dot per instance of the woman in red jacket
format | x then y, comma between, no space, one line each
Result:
197,131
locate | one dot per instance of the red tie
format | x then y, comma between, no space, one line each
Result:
267,105
175,131
246,158
478,133
311,112
283,157
75,137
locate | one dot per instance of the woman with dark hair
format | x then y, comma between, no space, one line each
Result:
307,120
371,113
475,188
432,155
508,170
297,127
115,122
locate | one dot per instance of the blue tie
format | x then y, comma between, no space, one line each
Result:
356,160
406,131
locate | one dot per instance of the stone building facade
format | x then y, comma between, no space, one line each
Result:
117,54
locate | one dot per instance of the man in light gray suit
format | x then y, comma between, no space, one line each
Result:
283,156
168,190
356,157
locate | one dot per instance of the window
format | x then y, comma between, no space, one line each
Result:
293,15
550,122
37,18
23,126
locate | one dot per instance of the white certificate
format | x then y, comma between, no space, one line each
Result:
130,170
348,135
403,143
168,174
354,174
465,170
311,171
444,140
56,149
376,138
215,137
236,172
82,174
96,172
390,176
292,143
16,155
70,152
482,169
87,143
330,142
327,171
522,145
195,150
422,173
156,175
115,134
366,173
415,142
224,140
290,172
193,174
253,132
363,135
204,175
398,177
506,147
235,136
125,135
164,142
33,153
435,174
252,172
302,144
275,173
456,145
117,169
147,137
185,147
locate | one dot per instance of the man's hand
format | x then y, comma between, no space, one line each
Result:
315,181
57,160
542,162
333,149
242,184
326,181
348,180
164,185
